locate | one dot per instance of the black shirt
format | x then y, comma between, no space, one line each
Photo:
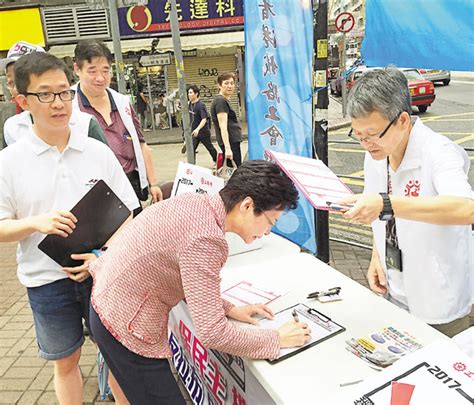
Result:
219,105
197,112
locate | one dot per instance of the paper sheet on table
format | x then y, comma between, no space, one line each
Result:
313,178
245,293
320,325
438,374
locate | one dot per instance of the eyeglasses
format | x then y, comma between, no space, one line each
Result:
49,97
269,220
373,137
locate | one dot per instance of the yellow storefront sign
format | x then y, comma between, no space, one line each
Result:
20,25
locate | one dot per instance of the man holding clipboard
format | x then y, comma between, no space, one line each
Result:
42,176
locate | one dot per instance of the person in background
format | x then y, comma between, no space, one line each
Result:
42,176
224,118
116,117
142,107
199,118
18,50
419,201
162,112
175,250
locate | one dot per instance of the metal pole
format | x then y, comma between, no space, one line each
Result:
167,104
343,82
150,100
178,54
114,29
321,119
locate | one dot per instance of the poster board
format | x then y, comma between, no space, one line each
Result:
195,179
438,374
313,178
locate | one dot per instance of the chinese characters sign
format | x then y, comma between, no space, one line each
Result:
210,377
279,55
192,15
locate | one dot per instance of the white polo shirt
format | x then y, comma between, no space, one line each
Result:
435,284
35,178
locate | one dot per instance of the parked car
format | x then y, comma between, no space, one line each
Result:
421,91
433,75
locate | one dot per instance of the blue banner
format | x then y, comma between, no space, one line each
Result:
430,34
193,15
279,55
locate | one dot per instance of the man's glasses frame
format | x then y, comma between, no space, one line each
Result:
376,137
49,97
269,220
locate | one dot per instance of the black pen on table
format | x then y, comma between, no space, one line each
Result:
295,315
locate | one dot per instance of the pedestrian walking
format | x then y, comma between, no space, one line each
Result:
200,123
224,118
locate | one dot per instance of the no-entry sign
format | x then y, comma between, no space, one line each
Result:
345,22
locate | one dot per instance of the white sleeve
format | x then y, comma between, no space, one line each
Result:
118,181
7,202
450,168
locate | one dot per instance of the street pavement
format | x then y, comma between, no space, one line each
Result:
24,377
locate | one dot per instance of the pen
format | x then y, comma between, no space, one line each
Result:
350,383
295,315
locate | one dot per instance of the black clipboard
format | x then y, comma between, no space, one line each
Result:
322,328
99,214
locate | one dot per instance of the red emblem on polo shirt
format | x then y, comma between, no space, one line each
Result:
412,189
128,111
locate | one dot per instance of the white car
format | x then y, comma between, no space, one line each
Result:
433,75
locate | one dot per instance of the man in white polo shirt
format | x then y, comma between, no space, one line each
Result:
418,198
42,176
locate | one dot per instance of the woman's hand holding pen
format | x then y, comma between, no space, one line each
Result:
294,334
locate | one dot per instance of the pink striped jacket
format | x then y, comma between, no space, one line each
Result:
173,250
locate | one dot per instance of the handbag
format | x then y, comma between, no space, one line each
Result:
225,172
134,179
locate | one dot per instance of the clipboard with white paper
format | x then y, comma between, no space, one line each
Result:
321,326
99,214
313,178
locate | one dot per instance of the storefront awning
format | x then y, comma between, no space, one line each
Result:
127,45
203,41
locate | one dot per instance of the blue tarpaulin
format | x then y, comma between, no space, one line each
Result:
430,34
278,55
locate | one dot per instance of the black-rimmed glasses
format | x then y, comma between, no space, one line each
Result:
374,137
49,97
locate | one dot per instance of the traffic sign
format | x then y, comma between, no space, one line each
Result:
345,22
156,60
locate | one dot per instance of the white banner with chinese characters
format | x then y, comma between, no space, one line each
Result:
279,55
210,377
195,179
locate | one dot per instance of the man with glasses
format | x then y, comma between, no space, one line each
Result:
17,125
418,199
42,176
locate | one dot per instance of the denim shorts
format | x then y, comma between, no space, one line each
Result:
58,309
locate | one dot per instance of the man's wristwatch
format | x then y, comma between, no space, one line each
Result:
387,211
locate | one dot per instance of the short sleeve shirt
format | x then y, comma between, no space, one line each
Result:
118,138
35,178
197,112
221,105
